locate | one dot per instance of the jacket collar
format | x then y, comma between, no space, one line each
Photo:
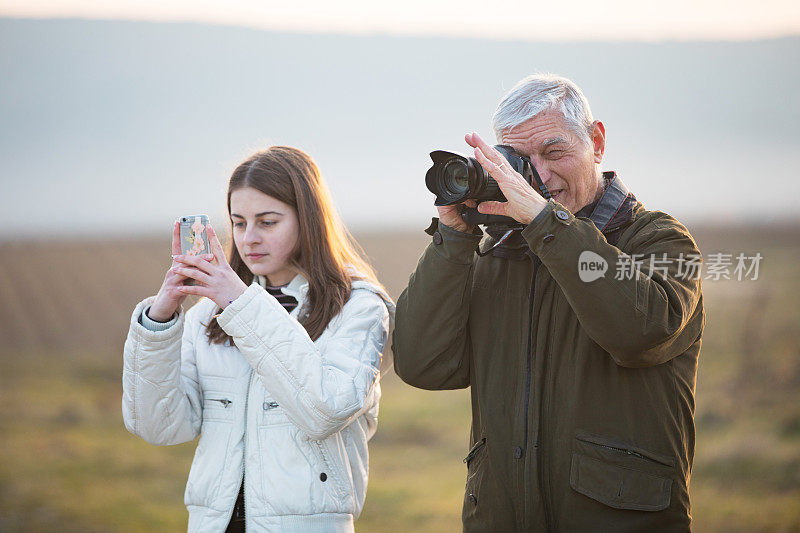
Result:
613,208
297,288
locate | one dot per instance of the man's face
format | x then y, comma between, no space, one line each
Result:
565,163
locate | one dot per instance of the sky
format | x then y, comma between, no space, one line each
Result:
506,19
169,111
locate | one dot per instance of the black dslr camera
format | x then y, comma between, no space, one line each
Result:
454,178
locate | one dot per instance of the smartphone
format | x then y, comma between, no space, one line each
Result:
194,239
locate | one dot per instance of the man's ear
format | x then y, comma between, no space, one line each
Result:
598,141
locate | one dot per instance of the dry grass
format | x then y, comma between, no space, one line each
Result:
67,463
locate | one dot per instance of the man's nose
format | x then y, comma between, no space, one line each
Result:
542,169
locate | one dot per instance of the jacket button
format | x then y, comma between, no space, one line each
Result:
518,452
548,238
472,499
562,214
323,477
437,238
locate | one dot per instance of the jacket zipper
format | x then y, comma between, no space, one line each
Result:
478,445
528,377
544,479
626,451
623,450
224,401
244,450
544,488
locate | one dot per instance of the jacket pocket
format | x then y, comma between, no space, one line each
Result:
474,451
272,412
296,480
617,448
218,406
620,475
473,493
210,456
332,472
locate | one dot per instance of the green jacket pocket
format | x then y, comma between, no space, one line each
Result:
619,477
474,510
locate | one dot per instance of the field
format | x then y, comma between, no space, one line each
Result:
68,464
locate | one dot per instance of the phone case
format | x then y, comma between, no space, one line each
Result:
194,239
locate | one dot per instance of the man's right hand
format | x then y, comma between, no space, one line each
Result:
449,216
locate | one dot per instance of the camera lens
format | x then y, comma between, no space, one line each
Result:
456,177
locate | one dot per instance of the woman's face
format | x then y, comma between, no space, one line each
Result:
265,231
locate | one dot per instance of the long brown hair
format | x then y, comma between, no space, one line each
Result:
325,248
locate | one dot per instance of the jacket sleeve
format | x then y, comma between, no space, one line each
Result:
321,391
642,318
431,340
161,396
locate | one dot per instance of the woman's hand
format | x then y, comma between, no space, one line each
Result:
169,298
217,282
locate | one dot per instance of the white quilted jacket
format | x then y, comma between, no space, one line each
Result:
292,415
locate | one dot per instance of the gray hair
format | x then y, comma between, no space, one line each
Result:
541,92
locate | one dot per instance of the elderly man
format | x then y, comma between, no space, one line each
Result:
579,336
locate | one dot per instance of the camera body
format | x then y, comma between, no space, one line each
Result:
454,178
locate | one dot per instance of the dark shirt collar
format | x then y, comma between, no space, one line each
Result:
586,211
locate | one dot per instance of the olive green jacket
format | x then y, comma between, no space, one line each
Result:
582,391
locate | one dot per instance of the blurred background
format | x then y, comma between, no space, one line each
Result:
118,117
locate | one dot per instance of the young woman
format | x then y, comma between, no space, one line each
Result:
276,367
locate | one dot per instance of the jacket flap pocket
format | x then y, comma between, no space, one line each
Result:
618,486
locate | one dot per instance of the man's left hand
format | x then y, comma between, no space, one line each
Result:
524,203
218,282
